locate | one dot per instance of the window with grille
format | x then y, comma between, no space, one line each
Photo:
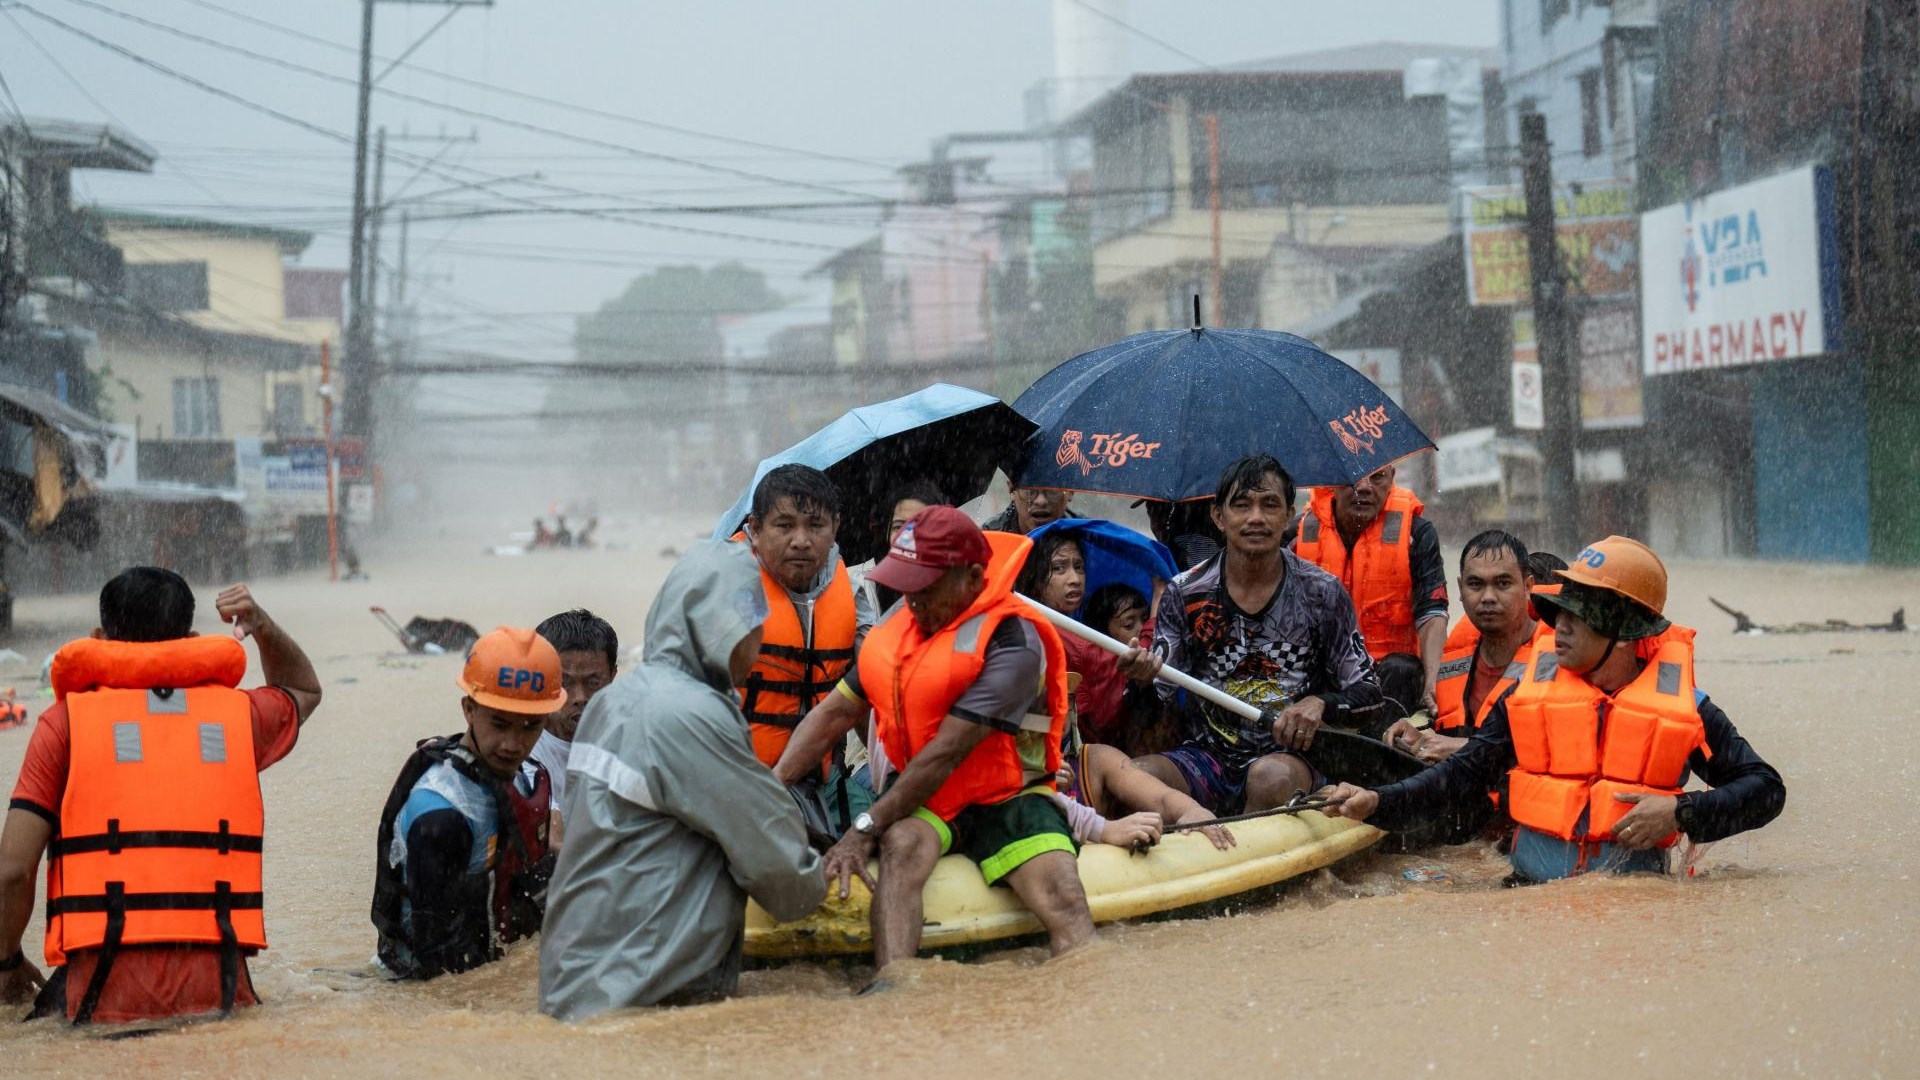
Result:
196,408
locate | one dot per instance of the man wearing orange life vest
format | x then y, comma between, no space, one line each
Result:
1373,537
141,785
1600,735
1487,649
815,617
969,692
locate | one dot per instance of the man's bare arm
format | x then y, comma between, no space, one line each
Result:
22,842
827,723
283,663
928,770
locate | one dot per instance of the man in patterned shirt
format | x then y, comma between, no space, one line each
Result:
1272,630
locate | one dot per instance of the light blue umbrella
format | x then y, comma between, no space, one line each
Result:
949,435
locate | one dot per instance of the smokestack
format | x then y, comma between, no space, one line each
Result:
1089,52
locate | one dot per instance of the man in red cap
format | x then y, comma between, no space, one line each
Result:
463,855
969,692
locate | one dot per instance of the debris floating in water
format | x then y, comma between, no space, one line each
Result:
1743,624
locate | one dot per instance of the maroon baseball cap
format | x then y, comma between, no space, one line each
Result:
935,541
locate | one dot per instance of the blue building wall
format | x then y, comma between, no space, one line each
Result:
1810,460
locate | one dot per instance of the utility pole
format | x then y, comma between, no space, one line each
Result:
1553,330
1213,206
358,367
376,213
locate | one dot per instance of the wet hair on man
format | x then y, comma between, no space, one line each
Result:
146,603
1251,472
581,630
1492,541
810,490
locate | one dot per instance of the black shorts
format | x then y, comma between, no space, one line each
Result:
1001,837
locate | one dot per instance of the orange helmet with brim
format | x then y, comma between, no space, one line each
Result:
1617,585
513,669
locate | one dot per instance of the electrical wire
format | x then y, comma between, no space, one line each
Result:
446,106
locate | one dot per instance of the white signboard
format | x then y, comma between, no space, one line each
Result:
1529,397
1466,459
1742,276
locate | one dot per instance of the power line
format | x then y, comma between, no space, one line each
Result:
461,110
306,125
1143,35
586,110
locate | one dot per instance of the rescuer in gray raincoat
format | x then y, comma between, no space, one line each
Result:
671,821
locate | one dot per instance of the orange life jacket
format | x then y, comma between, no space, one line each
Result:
1378,572
1577,747
793,672
1456,670
912,680
160,827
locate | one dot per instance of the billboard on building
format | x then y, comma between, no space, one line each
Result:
1596,227
1743,276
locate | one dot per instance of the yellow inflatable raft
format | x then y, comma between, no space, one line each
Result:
1184,870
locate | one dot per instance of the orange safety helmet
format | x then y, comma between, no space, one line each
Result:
513,669
1625,566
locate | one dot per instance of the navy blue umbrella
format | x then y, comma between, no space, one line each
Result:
947,434
1158,415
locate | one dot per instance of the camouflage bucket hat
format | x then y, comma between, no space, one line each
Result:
1608,613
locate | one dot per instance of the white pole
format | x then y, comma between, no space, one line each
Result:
1067,624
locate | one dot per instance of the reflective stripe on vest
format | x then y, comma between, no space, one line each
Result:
160,827
792,674
912,681
1378,572
1456,671
1577,747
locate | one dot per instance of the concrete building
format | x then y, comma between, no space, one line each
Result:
255,370
1588,68
1324,158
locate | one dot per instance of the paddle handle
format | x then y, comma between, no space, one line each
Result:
1068,625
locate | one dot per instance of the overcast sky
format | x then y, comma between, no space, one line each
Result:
870,80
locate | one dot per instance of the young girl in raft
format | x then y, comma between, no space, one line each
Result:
1100,780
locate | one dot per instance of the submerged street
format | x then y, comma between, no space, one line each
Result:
1791,952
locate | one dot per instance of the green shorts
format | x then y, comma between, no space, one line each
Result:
1000,837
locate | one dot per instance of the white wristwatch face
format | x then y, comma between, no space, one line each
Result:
864,823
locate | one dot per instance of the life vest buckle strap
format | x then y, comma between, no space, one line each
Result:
116,898
114,904
114,841
779,720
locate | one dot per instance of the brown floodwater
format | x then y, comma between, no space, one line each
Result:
1792,951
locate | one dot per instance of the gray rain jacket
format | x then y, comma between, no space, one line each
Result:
671,821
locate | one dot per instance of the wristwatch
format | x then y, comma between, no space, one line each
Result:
1683,813
864,825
